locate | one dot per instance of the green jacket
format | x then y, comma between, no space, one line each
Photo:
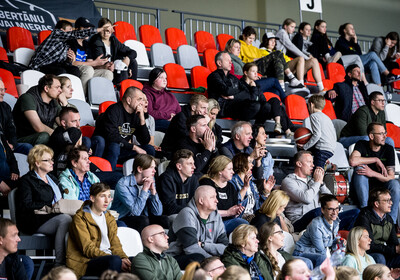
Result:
71,186
359,121
232,256
150,266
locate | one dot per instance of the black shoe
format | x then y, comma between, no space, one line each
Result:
298,86
390,78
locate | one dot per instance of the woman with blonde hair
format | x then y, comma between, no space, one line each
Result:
60,273
346,273
219,174
272,210
213,110
380,272
358,242
235,272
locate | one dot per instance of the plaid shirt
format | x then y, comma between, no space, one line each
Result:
54,48
84,187
358,99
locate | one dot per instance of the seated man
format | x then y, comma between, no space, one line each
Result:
115,127
385,248
198,231
374,163
348,95
176,186
51,57
177,128
201,141
152,263
233,95
9,172
36,111
213,266
356,128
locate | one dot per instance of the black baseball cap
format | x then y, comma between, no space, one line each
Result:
83,22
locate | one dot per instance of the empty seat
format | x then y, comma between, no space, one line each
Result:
149,35
129,83
10,100
130,241
31,77
329,110
43,35
158,137
3,55
204,40
23,165
296,108
393,113
9,82
161,54
84,111
187,57
222,39
393,131
176,76
18,37
23,56
396,85
87,130
175,37
78,92
162,167
335,72
104,105
124,31
199,76
100,90
127,167
101,163
142,59
269,95
209,59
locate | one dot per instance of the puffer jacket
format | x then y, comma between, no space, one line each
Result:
71,186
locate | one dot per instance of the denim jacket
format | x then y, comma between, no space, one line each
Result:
318,236
129,200
238,183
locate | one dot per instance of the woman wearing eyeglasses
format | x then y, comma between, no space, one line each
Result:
321,233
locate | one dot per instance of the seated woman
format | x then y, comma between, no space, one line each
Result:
242,180
105,44
286,46
66,93
37,189
93,244
136,199
269,64
358,242
163,105
219,174
277,111
77,179
302,38
321,233
265,83
387,48
380,272
272,210
259,141
244,252
213,110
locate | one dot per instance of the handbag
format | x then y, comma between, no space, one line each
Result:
63,206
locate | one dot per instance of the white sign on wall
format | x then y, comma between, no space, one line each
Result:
311,6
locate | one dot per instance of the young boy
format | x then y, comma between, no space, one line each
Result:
323,140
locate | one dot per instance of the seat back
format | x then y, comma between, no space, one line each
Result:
43,35
9,82
78,92
129,83
176,76
188,57
335,72
396,85
161,54
31,77
22,161
100,90
209,59
18,37
124,31
104,105
340,158
10,100
393,113
101,163
204,40
393,131
12,205
158,137
199,76
128,167
142,59
269,95
175,37
222,39
296,107
162,167
3,55
329,110
310,77
149,35
23,56
339,125
130,241
85,111
87,130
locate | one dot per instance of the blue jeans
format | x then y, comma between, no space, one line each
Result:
315,258
231,224
320,157
348,141
98,146
111,178
372,62
97,266
361,189
116,153
22,148
393,262
28,265
161,125
86,142
271,85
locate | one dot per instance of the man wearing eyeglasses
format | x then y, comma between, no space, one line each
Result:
152,263
356,128
374,163
385,248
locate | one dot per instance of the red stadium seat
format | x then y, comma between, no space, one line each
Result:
176,76
393,132
222,39
18,37
43,35
129,83
343,233
269,95
209,59
296,108
87,130
149,35
103,106
198,75
204,40
328,110
124,31
175,38
9,82
396,85
101,163
335,72
328,85
3,55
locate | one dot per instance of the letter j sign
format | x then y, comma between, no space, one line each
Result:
311,6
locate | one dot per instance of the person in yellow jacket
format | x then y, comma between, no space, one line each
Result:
93,244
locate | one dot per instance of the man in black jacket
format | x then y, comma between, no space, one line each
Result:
375,218
117,125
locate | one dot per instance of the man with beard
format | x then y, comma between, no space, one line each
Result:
374,163
350,94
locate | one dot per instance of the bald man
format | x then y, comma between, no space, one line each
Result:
152,263
198,231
